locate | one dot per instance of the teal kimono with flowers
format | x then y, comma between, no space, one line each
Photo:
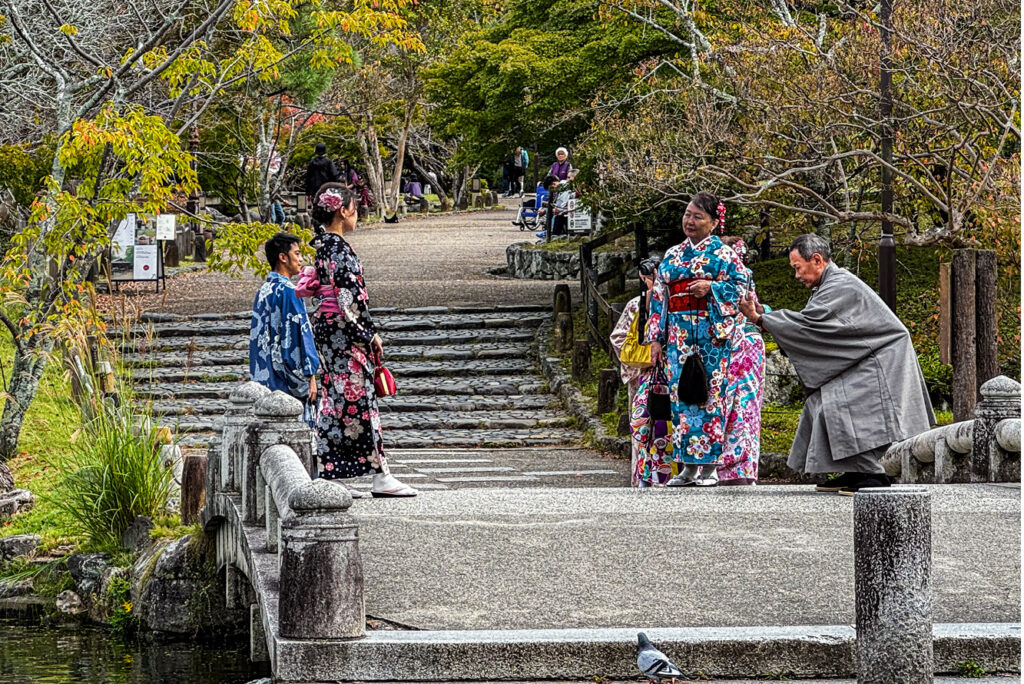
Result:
711,326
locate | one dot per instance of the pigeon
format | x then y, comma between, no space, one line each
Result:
654,664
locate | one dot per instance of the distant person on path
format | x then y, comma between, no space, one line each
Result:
350,441
650,462
320,170
347,175
741,449
282,354
856,361
561,168
694,326
520,161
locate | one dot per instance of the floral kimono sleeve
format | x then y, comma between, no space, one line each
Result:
353,301
655,312
729,285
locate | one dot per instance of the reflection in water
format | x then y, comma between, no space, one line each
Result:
31,655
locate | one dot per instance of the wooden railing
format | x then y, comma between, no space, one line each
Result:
595,305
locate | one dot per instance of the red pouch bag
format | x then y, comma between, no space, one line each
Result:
383,380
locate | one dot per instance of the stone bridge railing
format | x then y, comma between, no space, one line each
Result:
286,532
986,449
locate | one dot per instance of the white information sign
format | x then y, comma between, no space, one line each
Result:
145,263
165,226
124,237
579,219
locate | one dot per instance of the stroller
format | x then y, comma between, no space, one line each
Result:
528,215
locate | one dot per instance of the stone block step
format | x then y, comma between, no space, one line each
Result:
240,340
418,421
227,357
494,385
400,369
462,439
376,311
194,328
400,403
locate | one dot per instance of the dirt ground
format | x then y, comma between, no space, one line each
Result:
420,261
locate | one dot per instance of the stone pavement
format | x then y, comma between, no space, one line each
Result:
439,260
527,559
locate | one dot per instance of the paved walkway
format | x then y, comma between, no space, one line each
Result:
782,555
420,261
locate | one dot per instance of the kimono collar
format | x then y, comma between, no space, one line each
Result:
275,276
700,246
829,267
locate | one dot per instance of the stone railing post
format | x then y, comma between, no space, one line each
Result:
893,591
278,420
1000,399
318,546
236,421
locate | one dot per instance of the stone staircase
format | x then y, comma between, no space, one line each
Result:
467,377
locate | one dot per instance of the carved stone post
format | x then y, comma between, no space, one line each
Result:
580,360
319,549
1000,400
607,387
563,333
236,421
892,574
563,300
278,421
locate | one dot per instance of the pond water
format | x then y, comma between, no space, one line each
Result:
32,655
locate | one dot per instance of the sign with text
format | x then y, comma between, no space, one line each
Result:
165,226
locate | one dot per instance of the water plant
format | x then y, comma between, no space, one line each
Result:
113,472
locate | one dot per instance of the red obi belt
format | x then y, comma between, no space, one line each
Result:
679,299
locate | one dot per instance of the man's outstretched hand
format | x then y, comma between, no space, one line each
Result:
751,308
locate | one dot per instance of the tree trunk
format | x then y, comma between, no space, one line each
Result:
29,364
394,189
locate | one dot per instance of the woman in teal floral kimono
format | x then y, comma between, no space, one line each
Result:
694,310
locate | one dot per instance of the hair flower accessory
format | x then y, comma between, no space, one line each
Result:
721,216
330,199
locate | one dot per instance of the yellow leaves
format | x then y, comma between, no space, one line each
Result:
68,29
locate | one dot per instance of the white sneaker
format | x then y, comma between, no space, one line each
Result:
387,485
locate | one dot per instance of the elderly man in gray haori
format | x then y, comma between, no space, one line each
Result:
856,361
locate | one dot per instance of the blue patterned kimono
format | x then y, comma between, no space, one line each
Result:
282,355
712,326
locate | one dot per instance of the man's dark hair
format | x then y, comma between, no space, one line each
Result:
548,181
320,149
809,244
278,245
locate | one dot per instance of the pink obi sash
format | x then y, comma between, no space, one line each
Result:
310,286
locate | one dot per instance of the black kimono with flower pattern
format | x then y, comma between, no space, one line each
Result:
350,442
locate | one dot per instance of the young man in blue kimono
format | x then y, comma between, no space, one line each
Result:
282,355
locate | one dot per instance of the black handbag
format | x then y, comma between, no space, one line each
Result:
659,406
693,379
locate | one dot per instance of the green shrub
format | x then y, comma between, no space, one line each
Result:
114,473
939,378
22,172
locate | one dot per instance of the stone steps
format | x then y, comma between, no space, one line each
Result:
448,321
400,403
232,356
376,312
413,420
454,438
240,340
400,369
466,378
488,386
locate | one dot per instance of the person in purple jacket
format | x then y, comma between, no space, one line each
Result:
561,168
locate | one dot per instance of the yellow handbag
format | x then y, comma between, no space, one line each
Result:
633,353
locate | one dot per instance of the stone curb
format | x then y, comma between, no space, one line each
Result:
561,385
726,652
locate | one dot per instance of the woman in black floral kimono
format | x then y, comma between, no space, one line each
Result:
350,442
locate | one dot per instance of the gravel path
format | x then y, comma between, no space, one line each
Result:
421,261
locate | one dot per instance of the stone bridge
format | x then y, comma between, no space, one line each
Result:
285,540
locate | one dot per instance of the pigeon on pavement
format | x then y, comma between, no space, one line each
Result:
654,664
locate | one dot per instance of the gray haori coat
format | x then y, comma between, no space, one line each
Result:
865,388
